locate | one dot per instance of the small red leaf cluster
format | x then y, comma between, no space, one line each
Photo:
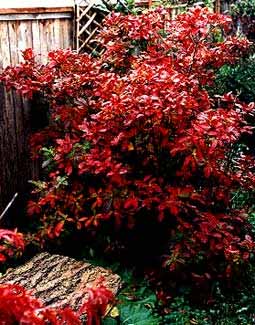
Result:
134,134
99,297
18,306
11,244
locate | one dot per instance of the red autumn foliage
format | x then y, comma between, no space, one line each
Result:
25,309
11,244
134,135
95,308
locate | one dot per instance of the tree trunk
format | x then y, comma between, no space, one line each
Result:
59,280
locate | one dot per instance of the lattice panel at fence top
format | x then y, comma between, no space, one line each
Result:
89,16
88,24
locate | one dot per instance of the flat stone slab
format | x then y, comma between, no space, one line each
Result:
60,280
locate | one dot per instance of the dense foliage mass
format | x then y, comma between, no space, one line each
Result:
238,79
135,143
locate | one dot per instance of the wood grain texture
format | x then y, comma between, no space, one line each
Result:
36,3
59,280
35,10
36,16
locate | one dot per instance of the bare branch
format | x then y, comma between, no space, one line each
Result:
8,206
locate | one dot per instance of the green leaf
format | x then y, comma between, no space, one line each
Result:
137,314
109,321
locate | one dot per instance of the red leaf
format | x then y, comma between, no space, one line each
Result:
58,228
131,203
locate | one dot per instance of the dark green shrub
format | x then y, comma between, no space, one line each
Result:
238,79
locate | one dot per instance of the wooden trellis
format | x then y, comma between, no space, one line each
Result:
88,19
88,23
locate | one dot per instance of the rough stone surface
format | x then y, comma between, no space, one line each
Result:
60,280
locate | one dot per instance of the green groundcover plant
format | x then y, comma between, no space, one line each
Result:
139,151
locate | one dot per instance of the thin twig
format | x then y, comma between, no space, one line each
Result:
8,206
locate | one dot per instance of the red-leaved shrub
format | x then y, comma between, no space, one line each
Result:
135,138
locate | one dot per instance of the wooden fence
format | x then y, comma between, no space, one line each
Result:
42,29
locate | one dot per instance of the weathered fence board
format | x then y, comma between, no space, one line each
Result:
17,34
